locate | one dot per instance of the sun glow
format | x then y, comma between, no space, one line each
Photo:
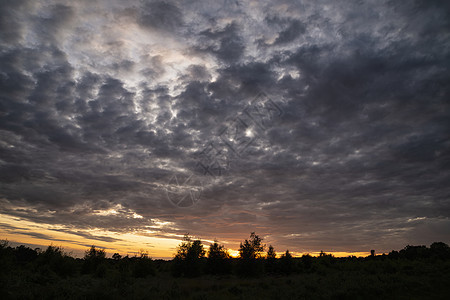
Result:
77,240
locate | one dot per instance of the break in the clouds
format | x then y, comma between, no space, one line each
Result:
103,102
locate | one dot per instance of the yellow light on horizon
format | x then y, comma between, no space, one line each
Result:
21,231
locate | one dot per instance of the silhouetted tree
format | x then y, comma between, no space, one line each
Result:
414,252
190,249
394,254
306,262
188,259
116,256
271,260
94,261
249,252
251,248
25,254
440,250
218,259
94,254
7,265
4,244
271,253
326,259
143,265
55,259
286,263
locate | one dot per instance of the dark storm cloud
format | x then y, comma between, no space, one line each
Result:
360,156
161,15
50,27
290,29
226,43
11,28
294,29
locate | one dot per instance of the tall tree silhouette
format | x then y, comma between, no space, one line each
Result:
287,264
249,252
94,261
188,259
218,259
251,248
271,260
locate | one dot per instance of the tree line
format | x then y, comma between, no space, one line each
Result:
191,259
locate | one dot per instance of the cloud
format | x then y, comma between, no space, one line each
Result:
11,26
96,117
160,15
228,45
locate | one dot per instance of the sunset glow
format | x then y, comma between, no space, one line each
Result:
321,126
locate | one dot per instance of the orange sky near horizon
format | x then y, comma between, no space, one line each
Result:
42,235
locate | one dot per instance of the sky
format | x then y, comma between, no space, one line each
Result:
319,125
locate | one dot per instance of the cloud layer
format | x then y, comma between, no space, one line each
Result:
103,103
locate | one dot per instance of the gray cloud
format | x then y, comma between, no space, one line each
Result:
160,15
225,43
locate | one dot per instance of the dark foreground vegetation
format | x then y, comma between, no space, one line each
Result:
415,272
